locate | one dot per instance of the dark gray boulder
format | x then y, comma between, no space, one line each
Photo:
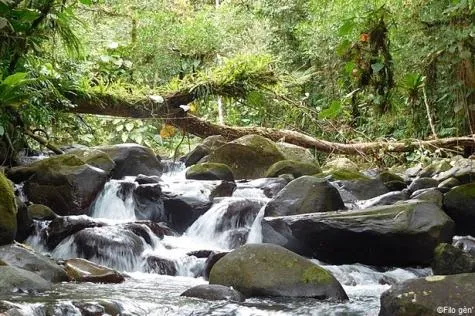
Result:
214,292
271,270
306,194
459,203
396,235
210,171
15,279
449,259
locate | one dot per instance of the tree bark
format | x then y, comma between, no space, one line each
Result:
172,113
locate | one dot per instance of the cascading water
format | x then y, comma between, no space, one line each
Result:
123,243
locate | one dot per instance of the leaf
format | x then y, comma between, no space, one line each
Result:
332,111
86,2
2,130
125,136
346,27
167,131
377,67
129,126
15,79
119,128
139,139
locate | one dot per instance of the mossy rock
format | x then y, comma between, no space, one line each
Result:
340,163
435,167
8,211
295,168
387,176
342,174
41,212
452,260
214,292
459,203
297,153
96,158
82,270
210,171
13,279
249,157
425,296
271,270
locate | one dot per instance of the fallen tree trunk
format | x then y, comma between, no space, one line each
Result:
172,113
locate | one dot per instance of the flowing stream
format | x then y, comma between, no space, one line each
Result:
148,293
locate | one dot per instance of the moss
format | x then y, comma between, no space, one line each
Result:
386,176
8,210
342,174
210,171
316,275
466,191
295,168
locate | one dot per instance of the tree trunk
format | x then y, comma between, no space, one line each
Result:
172,113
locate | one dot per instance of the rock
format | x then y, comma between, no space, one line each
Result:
13,279
200,253
89,309
459,203
270,270
249,157
8,211
160,266
148,202
143,179
448,184
24,258
211,261
396,235
430,195
387,176
360,189
296,153
341,163
306,194
395,185
414,171
41,212
62,227
185,201
194,156
435,168
466,243
214,292
64,183
95,158
81,270
449,259
432,295
282,235
295,168
210,171
24,222
132,160
385,199
342,174
422,183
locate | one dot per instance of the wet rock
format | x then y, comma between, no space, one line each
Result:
81,270
211,261
95,158
210,171
459,203
395,185
306,194
41,212
269,186
280,234
196,155
200,253
249,157
148,202
466,243
214,292
89,309
185,201
270,270
385,199
62,227
387,176
295,168
159,229
449,259
425,296
13,279
143,179
237,237
112,246
238,213
362,188
132,160
64,183
160,266
430,195
8,211
448,184
396,235
24,221
24,258
422,183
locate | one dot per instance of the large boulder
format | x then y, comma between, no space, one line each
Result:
27,259
214,292
449,259
161,266
249,157
293,167
306,194
296,153
209,171
185,201
271,270
132,160
459,203
15,279
8,211
362,188
432,295
209,144
96,158
61,227
64,183
81,270
395,235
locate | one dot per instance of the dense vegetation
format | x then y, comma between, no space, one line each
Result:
337,70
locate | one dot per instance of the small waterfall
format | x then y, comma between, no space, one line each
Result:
226,222
173,171
116,201
37,239
255,234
